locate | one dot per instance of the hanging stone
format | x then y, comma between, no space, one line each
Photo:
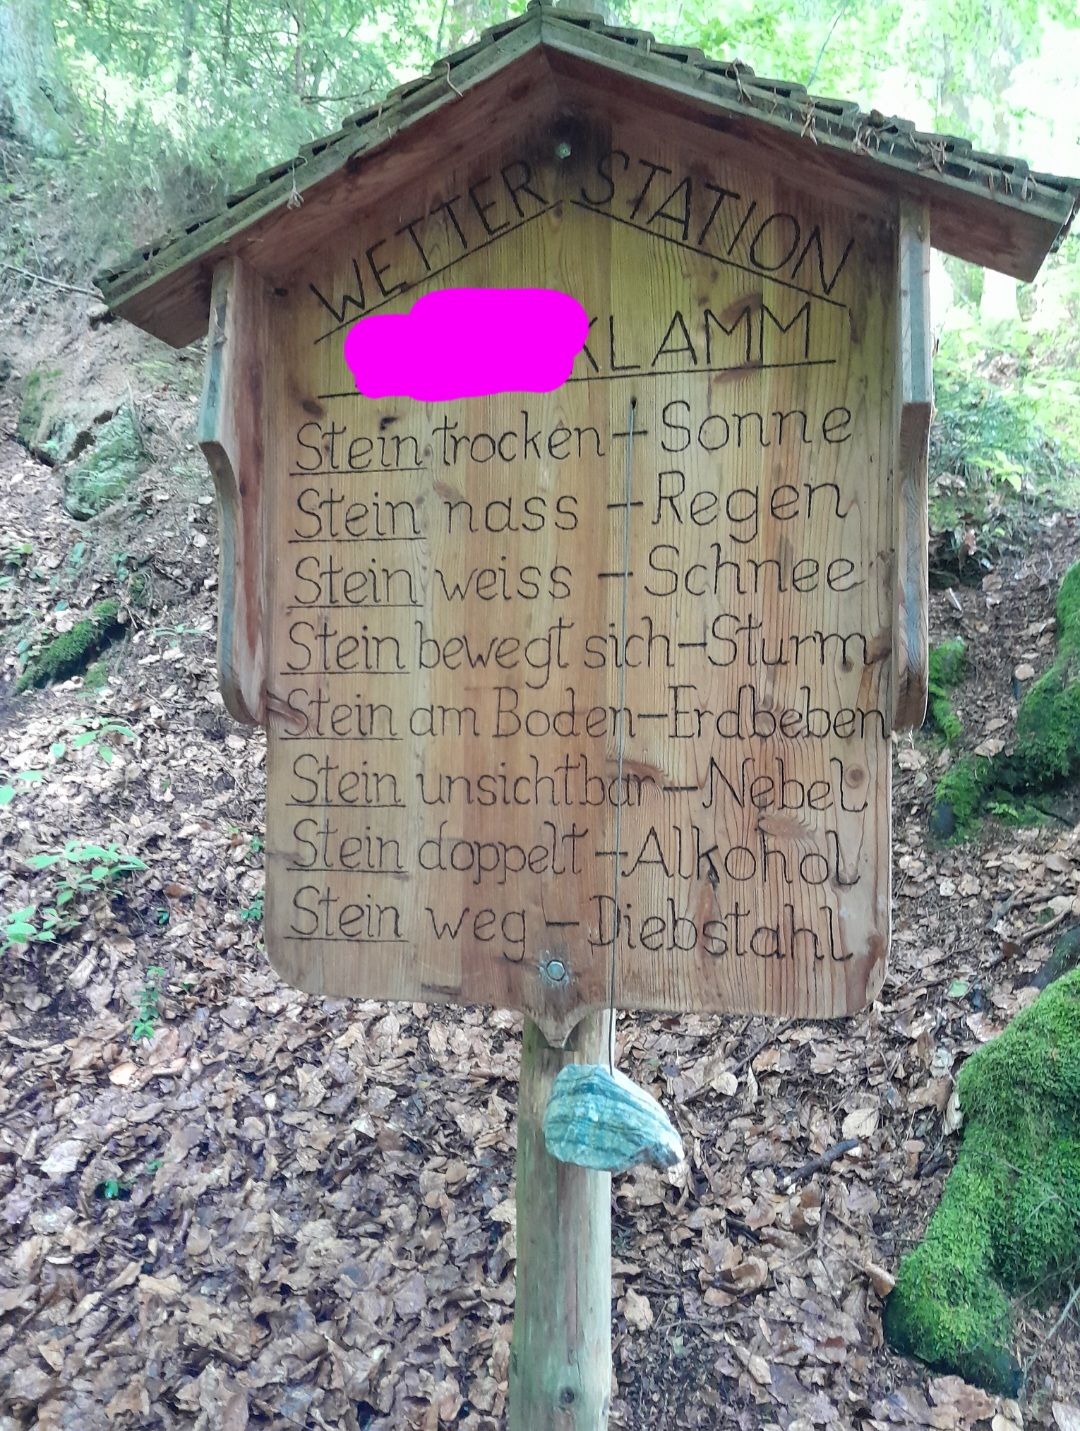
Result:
599,1119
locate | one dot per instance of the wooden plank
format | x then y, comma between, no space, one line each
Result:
442,815
231,435
560,1356
915,399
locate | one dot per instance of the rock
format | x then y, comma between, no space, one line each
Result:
599,1119
107,470
35,411
55,429
1066,956
943,821
1009,1218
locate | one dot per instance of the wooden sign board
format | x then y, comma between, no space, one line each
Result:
427,608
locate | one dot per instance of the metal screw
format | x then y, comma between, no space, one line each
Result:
562,150
555,971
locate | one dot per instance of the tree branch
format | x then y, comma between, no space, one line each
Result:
53,282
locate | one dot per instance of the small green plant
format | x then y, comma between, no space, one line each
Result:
253,912
24,777
15,554
93,738
149,1011
83,870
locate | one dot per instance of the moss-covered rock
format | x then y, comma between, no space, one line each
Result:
68,654
959,797
1009,1219
947,668
1064,956
33,416
104,473
1047,738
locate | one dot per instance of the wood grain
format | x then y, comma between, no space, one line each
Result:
231,429
916,401
560,1356
755,819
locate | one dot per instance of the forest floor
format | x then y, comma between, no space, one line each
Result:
286,1211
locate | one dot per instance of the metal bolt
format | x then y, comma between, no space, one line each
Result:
555,971
562,150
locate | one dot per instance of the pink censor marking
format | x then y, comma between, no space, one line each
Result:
469,342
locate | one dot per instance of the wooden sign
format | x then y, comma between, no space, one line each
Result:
704,552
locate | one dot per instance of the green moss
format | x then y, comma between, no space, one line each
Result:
1067,611
96,676
1047,737
103,474
959,797
948,664
68,654
1009,1219
1048,720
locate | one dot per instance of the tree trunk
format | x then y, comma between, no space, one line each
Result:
560,1357
187,42
33,96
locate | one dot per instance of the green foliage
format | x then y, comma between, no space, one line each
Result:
94,738
988,432
77,872
1010,1215
947,667
105,472
993,458
24,778
253,912
14,554
179,103
146,1019
66,655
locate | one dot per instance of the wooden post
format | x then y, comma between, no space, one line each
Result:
560,1357
915,397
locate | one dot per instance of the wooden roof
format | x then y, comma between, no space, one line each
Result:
988,208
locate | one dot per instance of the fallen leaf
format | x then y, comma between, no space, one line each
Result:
758,1368
64,1157
882,1281
860,1123
971,1402
748,1275
638,1311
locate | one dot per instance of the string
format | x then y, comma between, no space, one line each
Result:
627,494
